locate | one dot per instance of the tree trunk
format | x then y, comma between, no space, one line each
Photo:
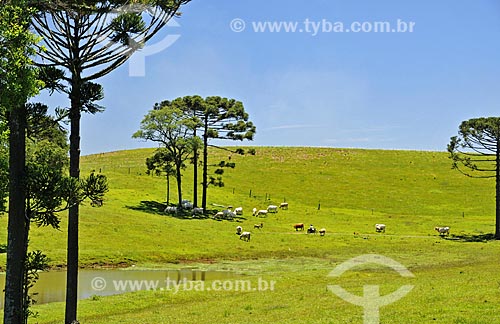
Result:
205,167
178,175
168,189
497,197
25,252
13,302
73,215
195,173
74,171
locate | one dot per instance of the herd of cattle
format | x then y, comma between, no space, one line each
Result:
229,214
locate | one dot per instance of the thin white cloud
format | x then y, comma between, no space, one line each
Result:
370,130
297,126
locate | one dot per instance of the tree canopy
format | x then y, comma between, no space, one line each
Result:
475,152
168,125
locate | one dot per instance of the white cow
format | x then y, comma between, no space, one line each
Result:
380,228
197,211
284,205
262,212
228,214
170,210
186,204
443,230
272,208
238,210
239,229
245,236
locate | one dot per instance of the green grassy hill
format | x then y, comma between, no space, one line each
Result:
456,280
409,191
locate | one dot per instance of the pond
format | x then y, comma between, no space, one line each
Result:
51,287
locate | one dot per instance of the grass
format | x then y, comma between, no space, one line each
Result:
345,191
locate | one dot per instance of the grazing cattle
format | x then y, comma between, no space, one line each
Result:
272,208
284,205
311,230
380,228
239,229
228,214
186,204
262,212
299,226
259,226
322,232
254,211
443,230
245,236
238,210
219,215
170,210
197,211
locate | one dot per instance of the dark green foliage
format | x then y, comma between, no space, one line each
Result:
90,93
224,164
41,126
476,147
4,166
47,186
35,261
216,181
51,78
125,24
93,187
160,162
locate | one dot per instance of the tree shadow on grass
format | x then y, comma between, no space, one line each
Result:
158,208
472,237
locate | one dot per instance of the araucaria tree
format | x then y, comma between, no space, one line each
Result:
476,153
225,119
90,39
216,118
169,126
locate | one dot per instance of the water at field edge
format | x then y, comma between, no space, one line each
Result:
51,287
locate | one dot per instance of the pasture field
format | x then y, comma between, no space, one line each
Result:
346,191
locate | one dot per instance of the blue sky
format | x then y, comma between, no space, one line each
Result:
355,90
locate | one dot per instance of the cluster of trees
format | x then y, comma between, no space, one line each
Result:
184,127
62,46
